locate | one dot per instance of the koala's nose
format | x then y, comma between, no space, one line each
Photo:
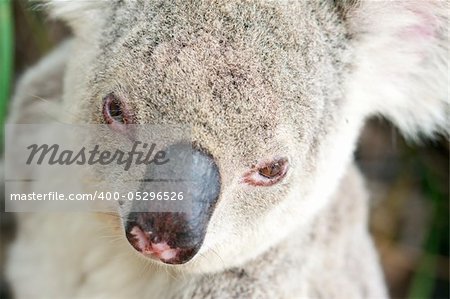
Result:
175,237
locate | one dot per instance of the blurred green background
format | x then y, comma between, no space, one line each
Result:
409,183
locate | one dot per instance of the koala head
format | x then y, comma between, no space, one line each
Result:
275,93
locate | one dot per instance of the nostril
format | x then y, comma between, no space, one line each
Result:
158,248
138,238
169,239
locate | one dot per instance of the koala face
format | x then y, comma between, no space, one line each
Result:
264,86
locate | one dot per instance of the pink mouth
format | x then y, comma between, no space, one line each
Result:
160,250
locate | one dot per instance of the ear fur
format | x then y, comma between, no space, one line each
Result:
401,61
77,13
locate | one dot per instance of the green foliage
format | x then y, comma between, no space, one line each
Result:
423,284
6,59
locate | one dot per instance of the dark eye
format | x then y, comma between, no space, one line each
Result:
271,171
115,112
267,173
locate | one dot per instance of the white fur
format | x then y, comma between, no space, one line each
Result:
412,67
76,12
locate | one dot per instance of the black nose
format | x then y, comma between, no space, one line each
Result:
174,237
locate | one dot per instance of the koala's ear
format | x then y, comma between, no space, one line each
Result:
78,14
401,66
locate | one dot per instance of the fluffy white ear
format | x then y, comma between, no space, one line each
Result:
401,61
77,13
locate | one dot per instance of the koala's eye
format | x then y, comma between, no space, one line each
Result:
115,112
271,170
267,173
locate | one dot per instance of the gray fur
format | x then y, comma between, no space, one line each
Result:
255,79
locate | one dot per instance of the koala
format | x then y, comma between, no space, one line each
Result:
276,93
